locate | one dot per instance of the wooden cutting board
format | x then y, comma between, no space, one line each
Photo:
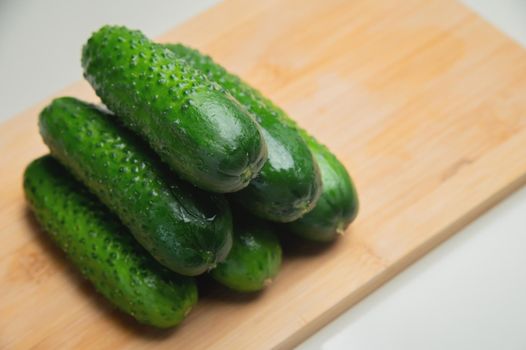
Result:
422,100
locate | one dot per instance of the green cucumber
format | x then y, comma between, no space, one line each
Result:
199,130
103,249
184,228
289,183
338,203
255,257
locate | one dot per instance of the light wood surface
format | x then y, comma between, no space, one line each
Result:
423,101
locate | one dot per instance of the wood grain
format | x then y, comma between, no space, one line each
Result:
422,100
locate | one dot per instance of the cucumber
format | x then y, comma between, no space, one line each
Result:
103,250
200,131
338,205
289,183
255,257
184,228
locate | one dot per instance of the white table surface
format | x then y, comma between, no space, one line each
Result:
469,293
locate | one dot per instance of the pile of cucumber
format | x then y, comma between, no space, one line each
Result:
185,170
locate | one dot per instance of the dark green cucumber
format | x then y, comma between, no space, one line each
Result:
103,250
184,228
338,203
289,183
255,257
198,129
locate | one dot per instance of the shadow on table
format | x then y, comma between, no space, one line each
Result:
213,291
295,247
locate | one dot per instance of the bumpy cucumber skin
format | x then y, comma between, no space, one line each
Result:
289,183
103,250
338,204
255,257
198,129
184,228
